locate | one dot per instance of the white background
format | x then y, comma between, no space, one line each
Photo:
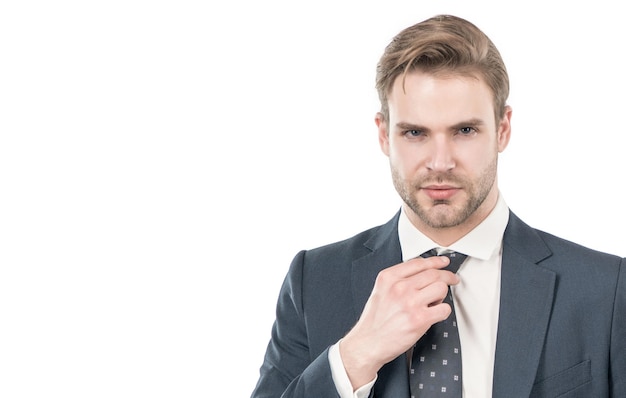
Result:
161,162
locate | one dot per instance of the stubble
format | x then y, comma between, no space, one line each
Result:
445,213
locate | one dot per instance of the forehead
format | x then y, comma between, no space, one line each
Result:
419,97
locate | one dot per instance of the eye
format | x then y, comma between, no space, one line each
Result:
413,133
467,130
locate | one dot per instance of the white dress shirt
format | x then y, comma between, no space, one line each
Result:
476,301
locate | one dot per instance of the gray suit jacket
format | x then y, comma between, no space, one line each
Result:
561,329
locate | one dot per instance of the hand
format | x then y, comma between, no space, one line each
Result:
406,300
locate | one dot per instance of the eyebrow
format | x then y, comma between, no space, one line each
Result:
474,122
410,126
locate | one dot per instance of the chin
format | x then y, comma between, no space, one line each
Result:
441,215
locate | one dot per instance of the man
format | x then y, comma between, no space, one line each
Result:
537,316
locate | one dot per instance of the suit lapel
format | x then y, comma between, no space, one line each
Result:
384,246
385,251
526,297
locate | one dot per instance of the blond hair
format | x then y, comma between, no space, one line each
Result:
443,45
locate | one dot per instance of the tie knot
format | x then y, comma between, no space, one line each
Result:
456,259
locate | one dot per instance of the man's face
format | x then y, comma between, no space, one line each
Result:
442,141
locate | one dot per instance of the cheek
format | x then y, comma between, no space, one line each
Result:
478,160
402,149
403,159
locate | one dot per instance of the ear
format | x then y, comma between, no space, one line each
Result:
383,133
504,129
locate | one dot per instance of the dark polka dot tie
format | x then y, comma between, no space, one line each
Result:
435,369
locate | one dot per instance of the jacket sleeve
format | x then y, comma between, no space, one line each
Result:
618,337
288,369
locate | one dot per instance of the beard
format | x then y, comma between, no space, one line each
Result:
444,213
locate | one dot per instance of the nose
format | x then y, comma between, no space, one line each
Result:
441,157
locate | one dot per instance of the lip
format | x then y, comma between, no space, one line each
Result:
440,192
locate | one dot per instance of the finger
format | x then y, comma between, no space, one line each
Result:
432,294
438,312
417,265
430,276
428,305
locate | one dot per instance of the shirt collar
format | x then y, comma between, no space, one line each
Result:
482,242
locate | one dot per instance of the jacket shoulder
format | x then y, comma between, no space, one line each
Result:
357,245
551,248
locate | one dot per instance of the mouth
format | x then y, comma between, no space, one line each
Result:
440,192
